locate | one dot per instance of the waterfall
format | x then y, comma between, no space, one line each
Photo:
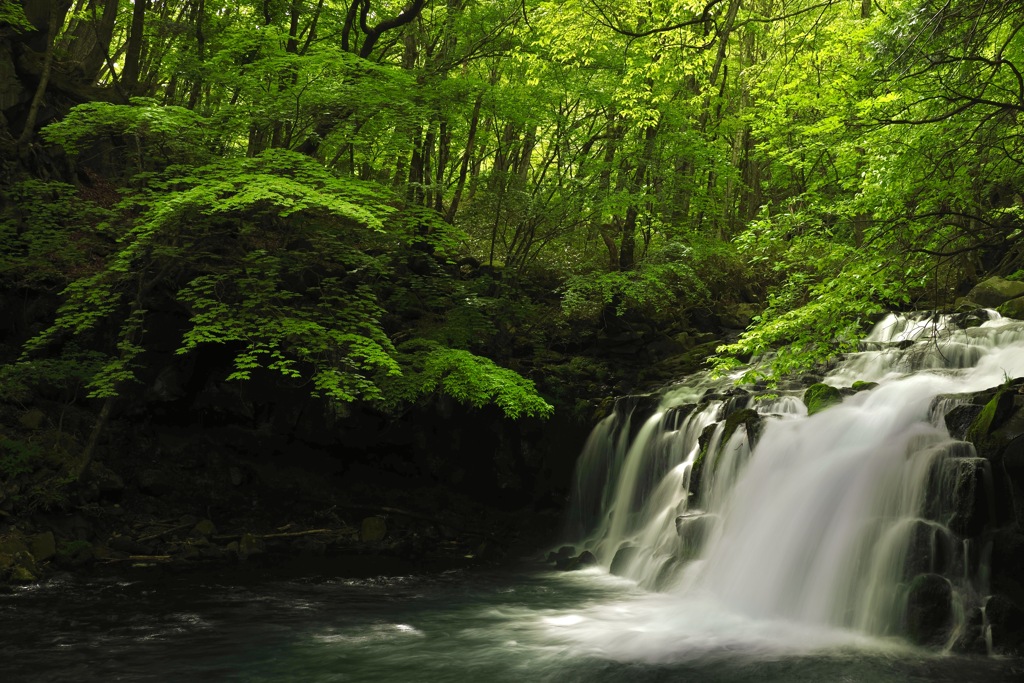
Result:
735,495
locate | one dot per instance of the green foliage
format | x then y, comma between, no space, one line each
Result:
159,134
13,15
18,457
434,369
47,234
653,289
264,255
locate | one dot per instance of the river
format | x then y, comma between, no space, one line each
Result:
524,623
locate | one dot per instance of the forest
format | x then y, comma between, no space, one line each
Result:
387,259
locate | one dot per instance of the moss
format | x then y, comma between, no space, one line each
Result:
992,416
864,386
746,416
820,396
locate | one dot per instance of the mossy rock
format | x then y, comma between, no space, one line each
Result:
820,396
1014,308
745,416
697,469
859,386
995,291
992,416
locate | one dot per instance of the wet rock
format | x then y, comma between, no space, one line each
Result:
373,529
43,546
250,545
930,549
820,396
697,469
562,554
993,415
749,418
861,385
974,317
1011,459
969,496
995,291
1006,619
1007,563
693,530
929,612
623,559
583,560
959,419
1014,308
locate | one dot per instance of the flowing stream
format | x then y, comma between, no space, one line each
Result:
736,539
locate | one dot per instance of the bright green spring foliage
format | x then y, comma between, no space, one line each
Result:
468,378
274,258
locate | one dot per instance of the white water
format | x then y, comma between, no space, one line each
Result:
803,541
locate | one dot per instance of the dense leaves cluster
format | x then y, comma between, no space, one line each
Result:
368,199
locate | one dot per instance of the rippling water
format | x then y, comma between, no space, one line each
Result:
525,624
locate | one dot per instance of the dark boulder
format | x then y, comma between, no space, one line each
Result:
959,419
929,612
624,557
1006,619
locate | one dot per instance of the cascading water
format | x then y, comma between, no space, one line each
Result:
734,502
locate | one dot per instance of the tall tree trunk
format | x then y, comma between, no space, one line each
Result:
133,53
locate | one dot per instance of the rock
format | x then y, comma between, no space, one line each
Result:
204,528
22,574
585,559
929,611
153,482
1014,308
373,529
1012,461
10,547
995,291
959,419
74,555
250,545
623,559
43,546
930,549
693,530
104,481
1006,619
992,416
749,418
968,496
820,396
1007,563
562,554
33,419
697,469
974,317
738,316
859,386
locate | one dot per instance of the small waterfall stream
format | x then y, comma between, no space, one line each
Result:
709,494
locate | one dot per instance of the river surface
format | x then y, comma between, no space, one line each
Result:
524,623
